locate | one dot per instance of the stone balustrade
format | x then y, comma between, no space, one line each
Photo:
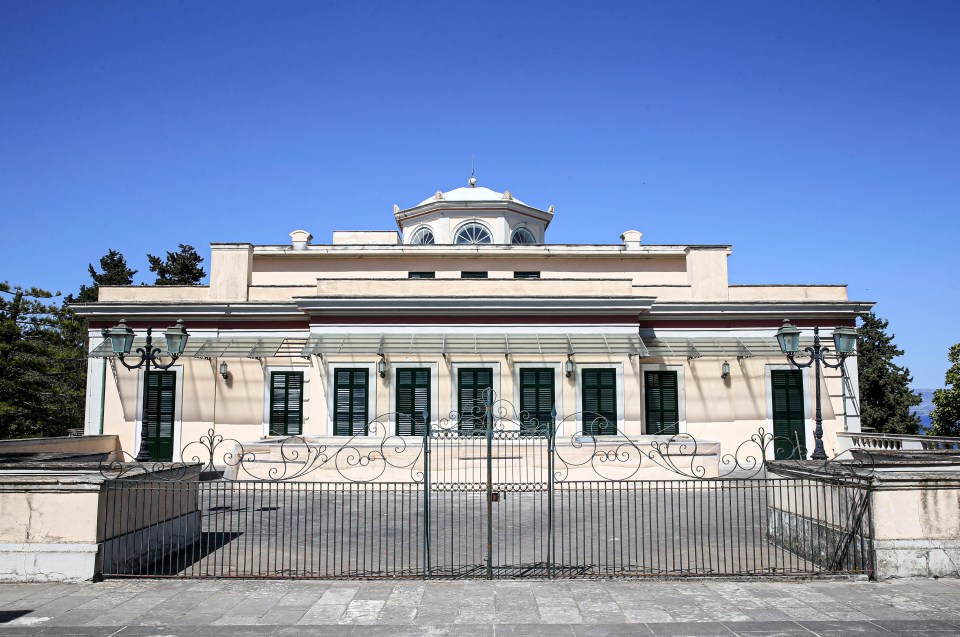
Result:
895,442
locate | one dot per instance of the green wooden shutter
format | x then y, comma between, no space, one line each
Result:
662,400
350,402
789,432
286,403
161,407
472,383
413,397
536,400
599,401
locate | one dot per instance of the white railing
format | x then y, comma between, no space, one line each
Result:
896,442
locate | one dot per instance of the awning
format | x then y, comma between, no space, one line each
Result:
222,347
557,344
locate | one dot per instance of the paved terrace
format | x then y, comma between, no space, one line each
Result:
237,608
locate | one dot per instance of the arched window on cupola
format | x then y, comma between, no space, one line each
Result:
522,235
472,233
423,236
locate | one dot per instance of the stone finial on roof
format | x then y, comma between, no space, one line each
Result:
550,209
631,238
507,196
301,239
439,195
396,208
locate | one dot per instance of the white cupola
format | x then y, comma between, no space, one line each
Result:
472,216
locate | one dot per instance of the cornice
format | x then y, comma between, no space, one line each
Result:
474,305
244,309
759,309
552,250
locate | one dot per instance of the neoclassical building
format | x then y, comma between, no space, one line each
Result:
318,339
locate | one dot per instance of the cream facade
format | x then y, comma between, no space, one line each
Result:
468,282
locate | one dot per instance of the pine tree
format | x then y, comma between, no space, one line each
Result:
885,394
114,271
41,389
945,418
180,268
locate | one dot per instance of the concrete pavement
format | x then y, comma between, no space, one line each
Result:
581,608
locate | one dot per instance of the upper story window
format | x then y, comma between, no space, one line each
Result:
423,236
522,235
472,233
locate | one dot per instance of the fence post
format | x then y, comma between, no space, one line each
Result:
488,418
551,537
426,494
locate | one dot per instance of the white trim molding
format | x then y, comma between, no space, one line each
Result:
391,381
455,379
373,385
578,388
558,382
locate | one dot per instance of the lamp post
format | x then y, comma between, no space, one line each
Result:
121,341
844,340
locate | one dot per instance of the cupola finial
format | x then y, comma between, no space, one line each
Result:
473,180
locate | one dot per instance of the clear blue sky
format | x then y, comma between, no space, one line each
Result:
820,139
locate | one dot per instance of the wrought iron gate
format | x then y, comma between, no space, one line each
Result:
488,494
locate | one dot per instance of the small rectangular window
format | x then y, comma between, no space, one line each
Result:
526,275
473,275
422,275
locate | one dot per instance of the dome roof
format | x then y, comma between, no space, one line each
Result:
478,193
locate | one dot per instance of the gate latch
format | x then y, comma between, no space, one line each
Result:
495,496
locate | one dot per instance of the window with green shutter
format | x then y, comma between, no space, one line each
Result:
472,387
350,401
789,431
662,403
286,403
413,399
160,414
599,401
536,400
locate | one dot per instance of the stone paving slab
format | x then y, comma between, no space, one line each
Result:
580,608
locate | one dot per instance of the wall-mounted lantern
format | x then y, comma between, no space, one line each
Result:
568,366
224,372
382,366
725,370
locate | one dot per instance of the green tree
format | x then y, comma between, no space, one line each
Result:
114,271
39,390
179,268
885,394
945,417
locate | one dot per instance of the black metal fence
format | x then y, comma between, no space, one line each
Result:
496,501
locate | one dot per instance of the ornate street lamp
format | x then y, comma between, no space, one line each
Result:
121,341
844,340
